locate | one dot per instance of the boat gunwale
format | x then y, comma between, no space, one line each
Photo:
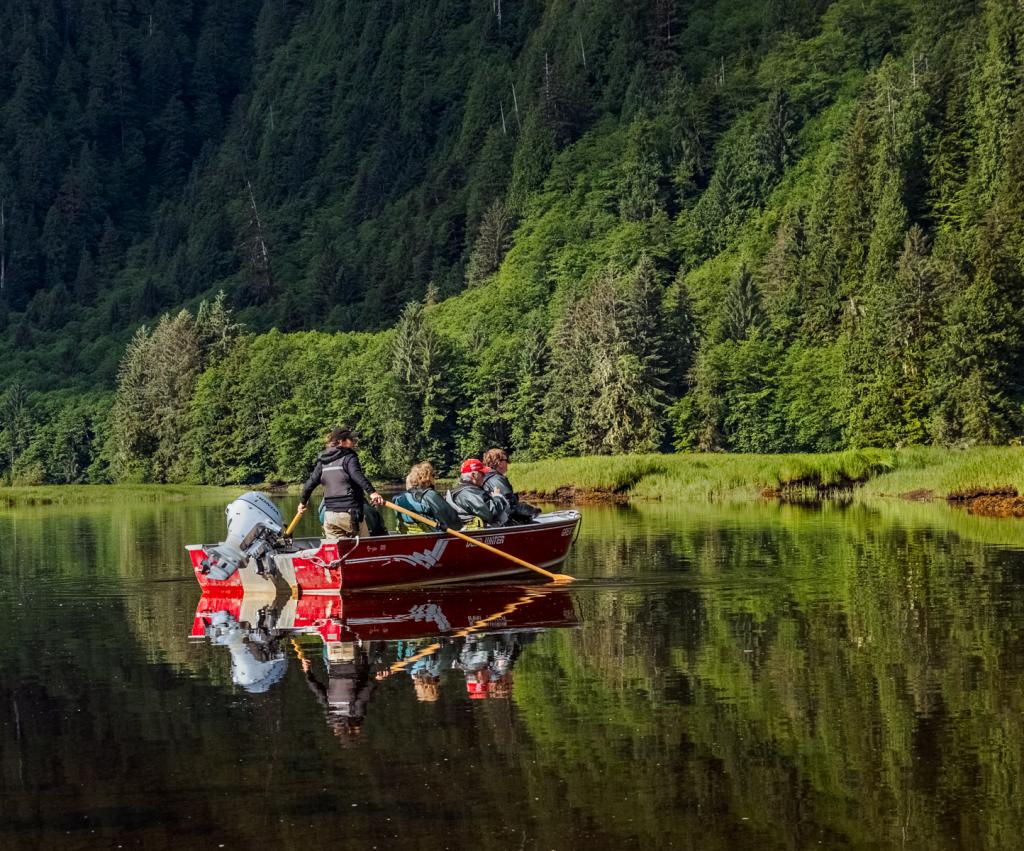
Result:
486,532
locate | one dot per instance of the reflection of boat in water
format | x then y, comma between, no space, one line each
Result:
392,615
255,552
347,644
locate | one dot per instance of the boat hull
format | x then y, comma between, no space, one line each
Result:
327,567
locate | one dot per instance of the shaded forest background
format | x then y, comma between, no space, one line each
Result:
560,227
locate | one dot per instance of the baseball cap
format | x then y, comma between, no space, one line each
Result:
472,465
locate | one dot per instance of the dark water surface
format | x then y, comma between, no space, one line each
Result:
756,676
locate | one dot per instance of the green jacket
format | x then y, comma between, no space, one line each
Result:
470,501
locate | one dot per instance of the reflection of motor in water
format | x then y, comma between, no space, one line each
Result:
257,662
362,640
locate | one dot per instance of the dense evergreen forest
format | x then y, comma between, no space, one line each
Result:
562,227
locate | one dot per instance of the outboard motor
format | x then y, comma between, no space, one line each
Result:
254,524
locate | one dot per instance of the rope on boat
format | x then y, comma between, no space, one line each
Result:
316,561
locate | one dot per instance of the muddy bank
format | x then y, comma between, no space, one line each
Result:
999,504
576,496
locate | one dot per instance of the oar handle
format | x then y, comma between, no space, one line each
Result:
292,525
558,577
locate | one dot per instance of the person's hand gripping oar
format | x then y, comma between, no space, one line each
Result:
433,524
295,520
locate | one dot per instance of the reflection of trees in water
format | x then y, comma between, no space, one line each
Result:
844,678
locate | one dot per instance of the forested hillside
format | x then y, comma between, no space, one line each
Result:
560,227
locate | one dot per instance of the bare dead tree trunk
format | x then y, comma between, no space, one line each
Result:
504,128
264,254
3,244
257,253
583,52
515,103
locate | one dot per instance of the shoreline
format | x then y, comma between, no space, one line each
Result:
981,504
983,480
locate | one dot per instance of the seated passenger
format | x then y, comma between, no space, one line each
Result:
423,499
496,482
475,506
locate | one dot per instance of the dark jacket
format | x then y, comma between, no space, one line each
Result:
494,481
348,689
429,503
338,470
470,501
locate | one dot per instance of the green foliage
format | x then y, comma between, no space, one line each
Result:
718,226
156,382
608,364
412,403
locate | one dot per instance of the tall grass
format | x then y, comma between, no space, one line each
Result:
691,475
611,474
953,472
923,471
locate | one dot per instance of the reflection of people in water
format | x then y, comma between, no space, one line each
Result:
352,669
426,672
350,684
427,687
485,660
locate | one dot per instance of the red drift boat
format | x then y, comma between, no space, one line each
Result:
256,554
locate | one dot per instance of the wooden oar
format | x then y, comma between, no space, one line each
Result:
295,519
557,577
528,597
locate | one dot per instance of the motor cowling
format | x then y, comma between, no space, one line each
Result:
254,525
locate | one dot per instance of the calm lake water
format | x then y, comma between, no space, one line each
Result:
757,676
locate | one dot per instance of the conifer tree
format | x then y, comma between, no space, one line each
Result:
608,366
15,420
415,401
493,241
743,313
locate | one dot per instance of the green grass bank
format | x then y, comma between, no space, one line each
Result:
919,472
30,495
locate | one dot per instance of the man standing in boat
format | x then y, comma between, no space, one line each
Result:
337,468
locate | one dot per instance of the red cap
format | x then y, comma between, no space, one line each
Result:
471,465
476,691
